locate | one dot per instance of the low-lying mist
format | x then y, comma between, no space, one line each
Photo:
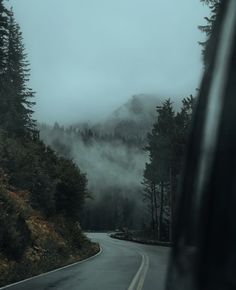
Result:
112,154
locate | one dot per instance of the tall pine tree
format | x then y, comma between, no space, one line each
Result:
208,27
15,95
4,14
157,171
166,148
20,121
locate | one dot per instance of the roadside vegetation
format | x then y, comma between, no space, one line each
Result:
134,194
166,147
41,194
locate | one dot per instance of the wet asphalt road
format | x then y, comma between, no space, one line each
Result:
121,265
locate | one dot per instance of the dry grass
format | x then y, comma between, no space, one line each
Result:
51,243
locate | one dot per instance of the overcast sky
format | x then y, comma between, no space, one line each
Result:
90,56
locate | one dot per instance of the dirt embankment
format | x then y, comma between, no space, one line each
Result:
31,244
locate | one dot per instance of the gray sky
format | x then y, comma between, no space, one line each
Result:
89,56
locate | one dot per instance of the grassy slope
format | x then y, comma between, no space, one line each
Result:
50,243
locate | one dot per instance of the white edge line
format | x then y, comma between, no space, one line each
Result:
53,271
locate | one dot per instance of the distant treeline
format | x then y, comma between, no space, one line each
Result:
117,206
112,161
125,132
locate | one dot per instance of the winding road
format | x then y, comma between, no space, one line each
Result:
120,265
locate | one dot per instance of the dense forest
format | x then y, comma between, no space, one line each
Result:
41,194
112,155
121,174
126,194
158,142
166,146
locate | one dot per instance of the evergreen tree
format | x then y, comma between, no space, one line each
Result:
3,36
15,95
208,27
4,13
157,171
166,148
19,120
183,122
71,189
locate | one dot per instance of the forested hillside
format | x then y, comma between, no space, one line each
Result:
120,173
126,193
112,154
41,194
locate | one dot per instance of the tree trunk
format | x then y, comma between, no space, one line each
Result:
157,220
152,210
161,209
171,206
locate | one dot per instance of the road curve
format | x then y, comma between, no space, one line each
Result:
121,265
